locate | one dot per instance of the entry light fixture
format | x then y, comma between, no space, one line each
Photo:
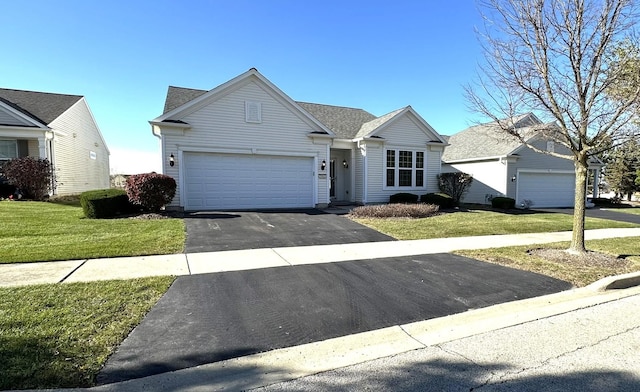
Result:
323,165
345,164
172,160
513,179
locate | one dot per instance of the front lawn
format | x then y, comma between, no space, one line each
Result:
580,272
631,210
41,231
480,222
59,336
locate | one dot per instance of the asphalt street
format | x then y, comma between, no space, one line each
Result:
594,349
212,317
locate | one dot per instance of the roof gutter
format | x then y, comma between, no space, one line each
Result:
498,158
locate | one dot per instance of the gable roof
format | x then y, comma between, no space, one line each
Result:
182,101
344,122
42,107
489,140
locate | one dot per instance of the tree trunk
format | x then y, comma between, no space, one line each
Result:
577,238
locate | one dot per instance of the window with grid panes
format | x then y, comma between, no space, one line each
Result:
404,168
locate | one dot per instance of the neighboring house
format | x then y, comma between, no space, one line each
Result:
246,144
119,181
58,127
502,165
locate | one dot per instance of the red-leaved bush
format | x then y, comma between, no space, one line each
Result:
151,190
32,176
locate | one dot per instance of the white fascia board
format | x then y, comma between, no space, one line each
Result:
22,116
494,158
22,132
163,124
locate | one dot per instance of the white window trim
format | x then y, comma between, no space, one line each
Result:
413,169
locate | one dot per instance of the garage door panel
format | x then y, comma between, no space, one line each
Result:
235,181
547,189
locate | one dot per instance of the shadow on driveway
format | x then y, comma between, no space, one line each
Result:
219,231
212,317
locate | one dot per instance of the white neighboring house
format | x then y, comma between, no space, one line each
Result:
245,145
58,127
503,166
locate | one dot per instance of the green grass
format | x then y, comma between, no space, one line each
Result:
40,231
579,275
480,222
59,336
631,210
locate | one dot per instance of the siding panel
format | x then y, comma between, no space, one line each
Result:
76,171
220,126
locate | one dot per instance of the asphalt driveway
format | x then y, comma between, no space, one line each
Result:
218,231
208,318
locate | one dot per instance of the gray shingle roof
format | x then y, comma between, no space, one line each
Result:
178,96
372,125
346,123
488,140
43,107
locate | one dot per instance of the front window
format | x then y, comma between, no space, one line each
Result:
404,169
8,150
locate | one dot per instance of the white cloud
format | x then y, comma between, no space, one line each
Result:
127,161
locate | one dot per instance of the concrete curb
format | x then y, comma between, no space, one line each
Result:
617,282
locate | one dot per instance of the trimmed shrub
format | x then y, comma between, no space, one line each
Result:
104,203
31,176
505,203
455,185
152,191
403,198
395,211
441,199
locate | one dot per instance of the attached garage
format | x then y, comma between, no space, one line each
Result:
546,189
215,181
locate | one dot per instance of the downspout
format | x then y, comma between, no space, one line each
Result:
162,152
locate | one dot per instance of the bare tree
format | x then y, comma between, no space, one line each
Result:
558,58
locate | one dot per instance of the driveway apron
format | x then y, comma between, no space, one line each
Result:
218,231
212,317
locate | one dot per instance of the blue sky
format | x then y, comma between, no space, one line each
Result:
122,56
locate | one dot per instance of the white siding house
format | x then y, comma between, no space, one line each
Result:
503,166
246,144
60,128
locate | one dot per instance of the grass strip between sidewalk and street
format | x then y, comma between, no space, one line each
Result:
60,335
45,231
481,222
626,252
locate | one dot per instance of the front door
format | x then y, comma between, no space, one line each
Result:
332,176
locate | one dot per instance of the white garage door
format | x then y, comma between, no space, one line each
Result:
547,189
234,181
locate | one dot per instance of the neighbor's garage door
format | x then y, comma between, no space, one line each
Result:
547,189
233,181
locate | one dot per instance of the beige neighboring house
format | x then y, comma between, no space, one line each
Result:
246,144
58,127
119,181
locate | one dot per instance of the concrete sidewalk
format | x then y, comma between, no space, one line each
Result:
235,260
